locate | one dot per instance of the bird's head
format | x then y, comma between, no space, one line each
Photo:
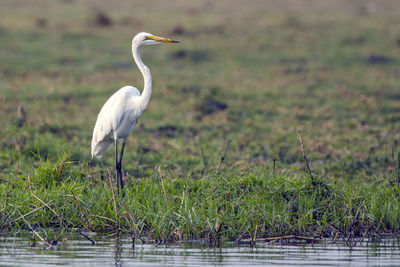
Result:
145,38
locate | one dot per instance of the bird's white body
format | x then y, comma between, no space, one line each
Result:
117,118
120,114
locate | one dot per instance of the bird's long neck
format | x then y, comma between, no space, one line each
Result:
146,93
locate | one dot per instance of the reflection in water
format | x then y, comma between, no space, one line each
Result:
118,250
133,247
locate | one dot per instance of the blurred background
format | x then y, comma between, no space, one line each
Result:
252,72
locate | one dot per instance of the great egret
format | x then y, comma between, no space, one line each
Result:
120,114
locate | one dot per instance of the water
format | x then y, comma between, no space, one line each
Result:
114,251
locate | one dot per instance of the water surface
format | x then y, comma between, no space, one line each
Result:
117,251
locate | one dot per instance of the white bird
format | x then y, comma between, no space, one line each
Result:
120,114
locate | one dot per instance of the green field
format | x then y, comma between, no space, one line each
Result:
247,72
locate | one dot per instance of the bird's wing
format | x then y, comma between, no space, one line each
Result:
109,119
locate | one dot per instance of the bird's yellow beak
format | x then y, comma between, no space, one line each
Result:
162,39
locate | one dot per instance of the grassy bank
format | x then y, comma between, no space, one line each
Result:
249,73
231,206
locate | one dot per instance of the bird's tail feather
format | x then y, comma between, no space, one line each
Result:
100,148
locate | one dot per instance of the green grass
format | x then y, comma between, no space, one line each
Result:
329,69
218,206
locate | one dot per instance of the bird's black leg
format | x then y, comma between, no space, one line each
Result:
117,165
121,182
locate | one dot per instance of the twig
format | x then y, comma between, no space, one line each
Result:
273,167
87,237
162,182
29,183
218,234
183,197
36,233
46,205
393,158
80,209
62,219
280,238
394,150
204,160
253,242
131,221
398,167
21,119
348,239
32,211
21,116
224,156
133,245
304,155
366,231
240,238
336,236
106,218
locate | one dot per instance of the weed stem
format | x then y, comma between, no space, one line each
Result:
304,155
224,156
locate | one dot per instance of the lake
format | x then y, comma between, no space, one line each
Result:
113,251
